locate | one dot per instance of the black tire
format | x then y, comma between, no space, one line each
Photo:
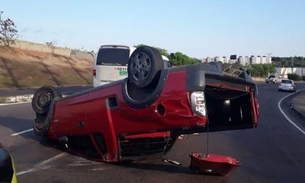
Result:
43,97
41,124
144,66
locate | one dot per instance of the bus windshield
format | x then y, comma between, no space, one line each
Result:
112,56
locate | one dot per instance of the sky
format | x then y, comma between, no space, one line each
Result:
197,28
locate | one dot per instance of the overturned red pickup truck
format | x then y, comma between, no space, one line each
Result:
143,114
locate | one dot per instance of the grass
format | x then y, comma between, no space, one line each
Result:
2,99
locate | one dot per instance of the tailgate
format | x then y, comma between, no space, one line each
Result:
230,96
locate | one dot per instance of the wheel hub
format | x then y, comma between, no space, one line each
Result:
44,100
141,67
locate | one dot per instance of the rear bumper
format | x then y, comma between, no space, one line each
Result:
286,89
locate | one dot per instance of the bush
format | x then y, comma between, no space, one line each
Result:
294,77
303,78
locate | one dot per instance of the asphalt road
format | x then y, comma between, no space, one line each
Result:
272,153
28,91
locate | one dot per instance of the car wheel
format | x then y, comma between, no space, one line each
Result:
41,125
43,97
144,66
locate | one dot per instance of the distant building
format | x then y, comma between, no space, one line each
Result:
225,59
253,59
241,60
263,60
246,60
268,59
258,59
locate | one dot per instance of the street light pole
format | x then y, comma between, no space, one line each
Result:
269,55
292,64
302,66
1,15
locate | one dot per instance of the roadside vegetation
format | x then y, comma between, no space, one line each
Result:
8,31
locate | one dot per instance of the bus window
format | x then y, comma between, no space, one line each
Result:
112,56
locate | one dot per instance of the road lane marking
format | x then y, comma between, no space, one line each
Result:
22,132
5,104
288,119
42,165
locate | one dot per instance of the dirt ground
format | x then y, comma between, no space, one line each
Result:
23,68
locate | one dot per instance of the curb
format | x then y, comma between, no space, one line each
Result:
17,99
302,116
292,106
20,99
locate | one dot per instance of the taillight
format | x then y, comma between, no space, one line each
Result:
257,107
198,103
94,73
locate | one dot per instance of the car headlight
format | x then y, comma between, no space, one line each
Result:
198,103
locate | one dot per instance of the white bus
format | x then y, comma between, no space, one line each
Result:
111,63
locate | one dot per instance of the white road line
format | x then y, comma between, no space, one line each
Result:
26,171
288,119
22,132
4,104
42,165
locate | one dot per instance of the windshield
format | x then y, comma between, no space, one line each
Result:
112,56
287,81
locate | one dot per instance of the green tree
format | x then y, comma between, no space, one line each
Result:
8,31
261,70
296,61
161,50
177,58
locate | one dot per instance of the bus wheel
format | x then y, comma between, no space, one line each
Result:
43,97
144,66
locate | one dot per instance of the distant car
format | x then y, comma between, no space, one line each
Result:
287,85
272,79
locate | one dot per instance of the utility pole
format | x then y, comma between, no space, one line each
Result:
269,55
302,66
292,60
1,16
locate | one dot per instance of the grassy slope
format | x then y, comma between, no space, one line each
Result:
22,68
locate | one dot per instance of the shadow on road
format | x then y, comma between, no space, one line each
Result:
14,124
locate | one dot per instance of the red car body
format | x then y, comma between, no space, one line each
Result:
121,121
111,114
